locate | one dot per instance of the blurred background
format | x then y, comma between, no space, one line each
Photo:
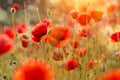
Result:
58,9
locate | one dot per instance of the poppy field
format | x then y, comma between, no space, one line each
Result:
78,41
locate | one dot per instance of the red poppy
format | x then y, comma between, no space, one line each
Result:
39,30
84,19
46,21
57,56
34,39
74,13
91,63
113,74
71,64
58,36
112,20
15,5
70,23
96,15
33,69
111,9
6,44
74,43
81,52
115,37
9,32
22,28
85,33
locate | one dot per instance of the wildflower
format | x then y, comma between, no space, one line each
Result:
9,32
70,64
96,15
33,69
57,56
111,9
38,31
46,21
58,36
21,28
115,37
74,43
85,33
91,63
15,6
81,51
74,13
113,74
6,44
112,20
84,19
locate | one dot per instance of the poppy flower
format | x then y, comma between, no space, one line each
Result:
58,36
111,9
34,39
96,15
33,69
91,63
61,33
74,14
46,21
70,64
39,30
21,28
112,20
81,52
15,6
9,32
85,33
113,74
57,56
115,37
84,19
74,43
6,44
52,41
70,23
